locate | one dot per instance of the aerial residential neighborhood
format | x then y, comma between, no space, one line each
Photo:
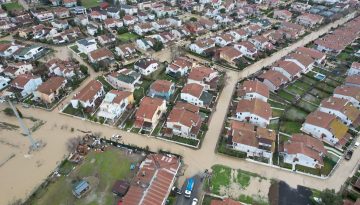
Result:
163,102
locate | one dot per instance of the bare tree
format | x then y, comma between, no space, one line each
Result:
72,143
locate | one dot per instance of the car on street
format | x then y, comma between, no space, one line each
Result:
194,201
348,154
176,190
356,144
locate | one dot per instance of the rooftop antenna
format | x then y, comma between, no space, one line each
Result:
34,144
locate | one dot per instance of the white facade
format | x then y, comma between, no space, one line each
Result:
351,99
285,73
191,99
303,67
337,113
245,51
353,71
320,133
88,46
254,95
301,159
111,110
148,70
88,103
4,82
9,51
252,151
252,118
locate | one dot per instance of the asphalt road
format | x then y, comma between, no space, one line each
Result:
196,193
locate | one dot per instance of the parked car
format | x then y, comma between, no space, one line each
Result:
176,190
356,144
194,201
349,154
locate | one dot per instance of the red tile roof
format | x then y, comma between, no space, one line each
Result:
51,85
148,107
120,95
255,106
199,73
289,66
154,180
193,89
161,86
350,91
100,53
21,80
89,91
354,79
256,86
275,77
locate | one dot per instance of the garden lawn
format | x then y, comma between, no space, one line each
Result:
106,167
294,90
12,6
307,106
302,85
277,113
126,37
107,86
290,127
276,104
90,3
286,96
220,177
295,114
142,90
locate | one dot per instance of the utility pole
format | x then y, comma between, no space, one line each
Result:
26,131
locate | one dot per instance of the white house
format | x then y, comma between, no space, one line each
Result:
66,69
184,120
195,94
257,142
350,93
354,69
89,95
4,82
253,89
341,108
28,53
145,44
149,113
8,49
124,79
305,62
143,28
201,46
326,127
204,76
273,79
146,66
224,39
16,69
179,67
239,34
26,83
114,104
125,50
130,20
247,48
254,111
288,68
304,150
86,45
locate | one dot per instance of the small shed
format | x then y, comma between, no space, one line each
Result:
120,187
80,188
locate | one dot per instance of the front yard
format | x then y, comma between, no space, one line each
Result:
100,169
127,37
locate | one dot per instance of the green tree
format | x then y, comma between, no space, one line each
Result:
9,112
122,13
330,197
84,69
222,11
158,45
193,19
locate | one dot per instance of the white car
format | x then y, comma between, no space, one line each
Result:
195,201
356,144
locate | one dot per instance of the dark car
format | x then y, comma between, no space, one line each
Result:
176,190
349,154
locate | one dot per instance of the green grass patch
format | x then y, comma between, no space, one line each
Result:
325,87
285,95
243,179
276,104
12,6
140,92
306,106
308,80
302,84
294,90
295,114
107,86
220,177
319,93
75,48
90,3
101,169
184,140
66,167
73,111
290,127
277,113
127,37
311,98
325,170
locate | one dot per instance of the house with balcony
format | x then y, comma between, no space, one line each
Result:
253,89
48,91
115,103
90,96
149,113
253,111
162,89
124,79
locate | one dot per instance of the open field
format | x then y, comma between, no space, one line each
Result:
126,37
100,169
12,6
90,3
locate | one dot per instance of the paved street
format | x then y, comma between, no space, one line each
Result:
196,160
